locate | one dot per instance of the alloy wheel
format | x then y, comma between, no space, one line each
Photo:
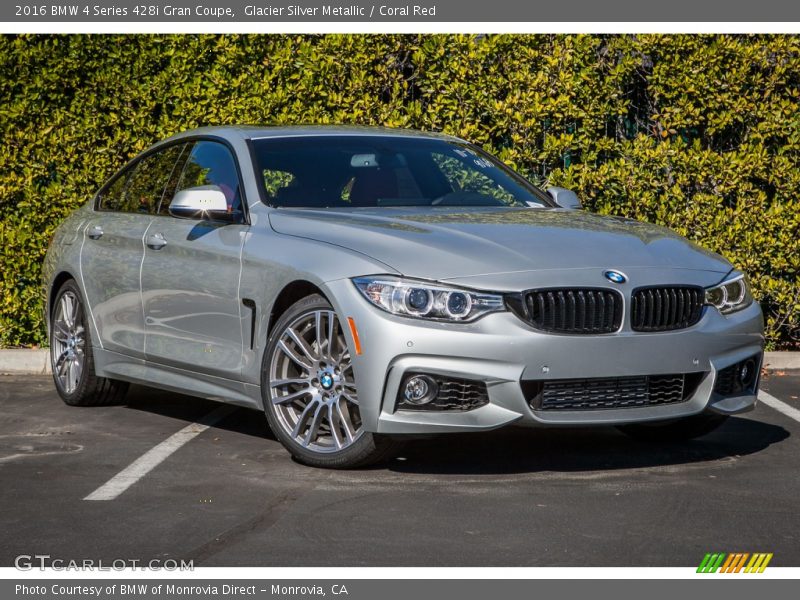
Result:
311,384
67,346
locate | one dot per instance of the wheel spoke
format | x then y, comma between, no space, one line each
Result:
61,363
293,396
77,370
313,427
336,434
318,332
326,334
60,331
347,424
69,379
332,336
350,398
307,411
68,313
285,382
296,358
63,309
302,344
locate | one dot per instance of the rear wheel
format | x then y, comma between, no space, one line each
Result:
309,391
71,357
677,430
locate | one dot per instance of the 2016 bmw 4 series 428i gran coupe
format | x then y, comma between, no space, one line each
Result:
361,284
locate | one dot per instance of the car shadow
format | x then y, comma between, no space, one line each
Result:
525,450
244,421
508,450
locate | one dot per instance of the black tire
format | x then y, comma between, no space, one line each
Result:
677,430
367,449
90,390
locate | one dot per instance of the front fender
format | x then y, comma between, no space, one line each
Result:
270,262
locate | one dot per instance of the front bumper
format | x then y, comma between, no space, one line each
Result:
502,351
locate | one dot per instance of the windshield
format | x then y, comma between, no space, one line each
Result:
375,171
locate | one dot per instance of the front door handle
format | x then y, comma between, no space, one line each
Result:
156,241
95,232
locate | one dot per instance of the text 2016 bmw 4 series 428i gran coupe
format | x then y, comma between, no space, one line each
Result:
360,284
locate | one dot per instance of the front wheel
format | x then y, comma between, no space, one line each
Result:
677,430
309,391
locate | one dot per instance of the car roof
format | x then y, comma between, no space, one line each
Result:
254,132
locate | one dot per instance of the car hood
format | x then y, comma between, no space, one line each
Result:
450,243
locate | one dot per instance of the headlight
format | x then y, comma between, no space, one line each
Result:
731,295
427,301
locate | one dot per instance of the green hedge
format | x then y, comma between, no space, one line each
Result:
699,133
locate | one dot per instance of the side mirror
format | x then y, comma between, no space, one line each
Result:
565,198
201,202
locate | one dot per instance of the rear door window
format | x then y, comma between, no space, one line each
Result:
141,188
111,198
147,184
181,153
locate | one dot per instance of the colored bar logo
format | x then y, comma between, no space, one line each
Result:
736,562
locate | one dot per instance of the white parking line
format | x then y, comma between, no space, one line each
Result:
156,455
779,405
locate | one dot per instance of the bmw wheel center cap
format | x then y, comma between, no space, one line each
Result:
327,381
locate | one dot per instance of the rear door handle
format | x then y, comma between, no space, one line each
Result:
155,241
95,232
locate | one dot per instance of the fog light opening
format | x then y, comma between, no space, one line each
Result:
747,373
420,389
739,378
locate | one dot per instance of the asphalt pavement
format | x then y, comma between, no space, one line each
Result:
231,496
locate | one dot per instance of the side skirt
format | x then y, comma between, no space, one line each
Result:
135,370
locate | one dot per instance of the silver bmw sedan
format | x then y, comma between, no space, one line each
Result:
359,285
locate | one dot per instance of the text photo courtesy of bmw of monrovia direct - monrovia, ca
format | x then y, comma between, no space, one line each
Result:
336,10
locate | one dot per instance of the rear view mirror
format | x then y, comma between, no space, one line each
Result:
360,161
202,202
565,198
